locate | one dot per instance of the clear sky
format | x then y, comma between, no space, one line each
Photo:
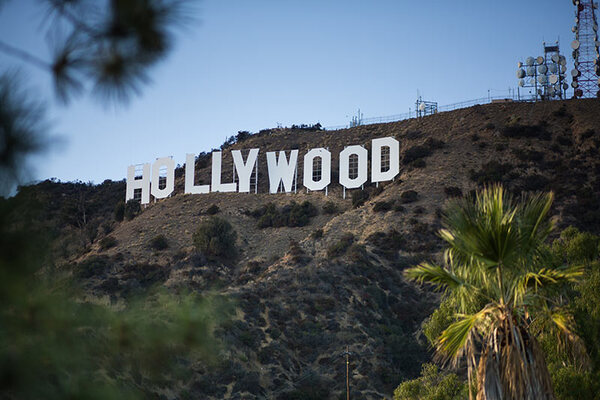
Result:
249,65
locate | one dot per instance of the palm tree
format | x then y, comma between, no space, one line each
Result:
505,291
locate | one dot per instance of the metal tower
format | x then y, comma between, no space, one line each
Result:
585,50
545,74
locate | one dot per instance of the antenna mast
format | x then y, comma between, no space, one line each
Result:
585,50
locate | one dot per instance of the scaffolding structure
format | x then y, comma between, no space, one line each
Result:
546,74
425,108
585,50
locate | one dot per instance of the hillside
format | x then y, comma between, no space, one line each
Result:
304,293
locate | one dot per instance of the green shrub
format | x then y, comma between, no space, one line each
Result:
132,209
212,210
409,196
119,211
107,242
387,243
309,387
534,183
159,243
383,206
339,248
588,134
399,207
432,385
526,131
92,266
562,112
297,254
491,172
330,208
357,253
420,163
453,191
422,151
215,238
292,215
359,197
528,155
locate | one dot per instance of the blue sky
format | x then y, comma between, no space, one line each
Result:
249,65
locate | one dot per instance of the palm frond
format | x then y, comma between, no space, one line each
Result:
534,224
453,339
485,230
435,275
543,278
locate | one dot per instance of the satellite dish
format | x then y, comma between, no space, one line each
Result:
422,107
565,86
555,58
530,71
542,79
574,73
521,82
542,69
540,60
519,64
553,68
578,93
574,85
563,69
574,29
553,79
575,44
520,73
529,61
563,60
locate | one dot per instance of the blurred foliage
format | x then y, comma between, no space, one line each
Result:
22,130
106,48
433,384
55,341
54,344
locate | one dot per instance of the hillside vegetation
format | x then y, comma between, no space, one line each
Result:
311,274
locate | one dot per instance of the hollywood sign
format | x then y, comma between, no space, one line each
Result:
282,171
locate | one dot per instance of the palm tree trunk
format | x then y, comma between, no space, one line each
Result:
512,367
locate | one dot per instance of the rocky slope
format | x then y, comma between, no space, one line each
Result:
304,294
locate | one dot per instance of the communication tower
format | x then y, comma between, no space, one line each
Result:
425,107
545,74
585,50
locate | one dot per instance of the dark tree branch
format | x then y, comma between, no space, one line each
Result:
23,55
